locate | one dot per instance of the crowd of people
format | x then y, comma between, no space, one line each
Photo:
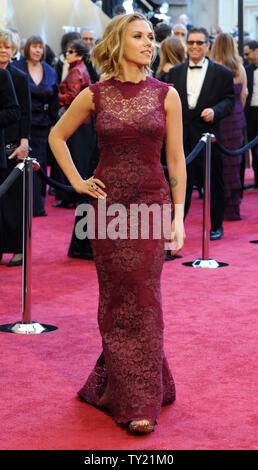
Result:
147,116
188,58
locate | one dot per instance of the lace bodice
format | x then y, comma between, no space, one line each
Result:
121,106
130,123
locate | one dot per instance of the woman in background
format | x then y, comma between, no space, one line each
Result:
62,65
16,147
224,51
43,84
172,52
81,143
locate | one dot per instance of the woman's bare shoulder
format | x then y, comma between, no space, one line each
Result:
172,98
85,99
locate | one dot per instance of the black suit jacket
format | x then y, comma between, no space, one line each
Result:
217,93
20,129
9,109
250,85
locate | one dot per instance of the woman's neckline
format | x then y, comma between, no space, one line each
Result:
43,73
129,82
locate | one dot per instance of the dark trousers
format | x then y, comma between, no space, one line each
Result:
195,172
252,132
38,143
11,213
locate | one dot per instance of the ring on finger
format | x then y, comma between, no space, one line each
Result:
93,187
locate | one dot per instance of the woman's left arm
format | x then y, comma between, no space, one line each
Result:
176,165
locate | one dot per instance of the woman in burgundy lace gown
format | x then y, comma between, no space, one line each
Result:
131,379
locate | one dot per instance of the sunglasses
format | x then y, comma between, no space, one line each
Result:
70,51
198,43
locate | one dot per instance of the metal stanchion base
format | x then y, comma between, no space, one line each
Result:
205,263
254,241
32,328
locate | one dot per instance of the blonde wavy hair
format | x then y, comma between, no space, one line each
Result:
108,53
224,51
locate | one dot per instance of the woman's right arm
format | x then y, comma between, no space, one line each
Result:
76,115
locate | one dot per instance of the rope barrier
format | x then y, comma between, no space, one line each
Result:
195,151
15,173
55,184
233,153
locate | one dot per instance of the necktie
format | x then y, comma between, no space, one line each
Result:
195,67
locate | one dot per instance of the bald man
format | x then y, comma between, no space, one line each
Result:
179,31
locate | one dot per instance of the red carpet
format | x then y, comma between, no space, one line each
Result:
210,341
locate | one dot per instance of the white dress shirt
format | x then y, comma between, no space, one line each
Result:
194,81
254,99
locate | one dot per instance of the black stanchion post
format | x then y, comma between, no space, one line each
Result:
241,27
27,326
206,200
27,225
205,261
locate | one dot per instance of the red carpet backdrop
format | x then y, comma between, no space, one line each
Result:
210,341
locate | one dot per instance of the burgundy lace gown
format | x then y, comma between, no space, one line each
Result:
131,379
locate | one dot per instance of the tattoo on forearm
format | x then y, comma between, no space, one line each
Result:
173,181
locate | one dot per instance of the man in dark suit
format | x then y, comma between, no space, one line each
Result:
251,108
88,35
9,110
206,90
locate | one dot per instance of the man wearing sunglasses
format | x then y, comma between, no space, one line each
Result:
206,90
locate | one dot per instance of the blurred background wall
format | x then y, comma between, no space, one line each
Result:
51,18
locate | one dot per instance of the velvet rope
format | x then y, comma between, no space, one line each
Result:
233,153
195,151
16,172
55,184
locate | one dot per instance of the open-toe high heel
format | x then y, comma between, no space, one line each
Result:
143,426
